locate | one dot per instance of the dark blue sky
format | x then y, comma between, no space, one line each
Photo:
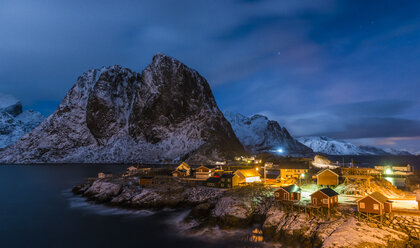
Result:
345,69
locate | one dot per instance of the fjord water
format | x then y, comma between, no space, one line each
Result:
37,209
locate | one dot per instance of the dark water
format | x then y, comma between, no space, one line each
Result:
37,209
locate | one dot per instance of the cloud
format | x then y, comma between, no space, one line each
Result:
369,119
344,68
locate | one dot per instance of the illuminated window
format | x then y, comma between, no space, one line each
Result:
285,195
362,205
376,206
228,179
325,201
277,194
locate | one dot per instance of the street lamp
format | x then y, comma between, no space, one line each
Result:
301,177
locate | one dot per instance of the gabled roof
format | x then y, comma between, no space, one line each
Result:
248,173
292,188
377,196
185,165
213,180
328,192
324,170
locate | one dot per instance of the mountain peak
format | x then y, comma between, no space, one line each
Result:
115,115
259,134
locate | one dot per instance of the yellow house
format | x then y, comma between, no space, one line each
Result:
184,167
327,177
292,170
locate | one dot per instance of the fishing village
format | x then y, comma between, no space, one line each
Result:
344,204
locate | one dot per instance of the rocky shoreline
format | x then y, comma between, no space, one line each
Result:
242,208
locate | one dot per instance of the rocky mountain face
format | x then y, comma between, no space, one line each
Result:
326,145
115,115
259,134
15,123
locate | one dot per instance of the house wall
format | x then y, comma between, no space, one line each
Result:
369,201
202,175
281,195
290,173
320,196
235,181
203,169
295,196
327,178
388,207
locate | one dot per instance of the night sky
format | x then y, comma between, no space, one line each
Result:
344,69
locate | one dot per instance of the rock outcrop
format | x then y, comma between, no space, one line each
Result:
314,231
258,134
115,115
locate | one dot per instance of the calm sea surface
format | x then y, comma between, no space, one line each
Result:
37,209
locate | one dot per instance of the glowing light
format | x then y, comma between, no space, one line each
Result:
280,150
256,169
302,175
252,179
388,171
390,179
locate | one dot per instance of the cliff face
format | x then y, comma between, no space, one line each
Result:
259,134
115,115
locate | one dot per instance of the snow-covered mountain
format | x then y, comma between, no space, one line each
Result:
115,115
15,123
326,145
259,134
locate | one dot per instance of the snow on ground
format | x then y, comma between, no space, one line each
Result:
404,204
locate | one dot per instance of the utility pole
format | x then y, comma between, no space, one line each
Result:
265,174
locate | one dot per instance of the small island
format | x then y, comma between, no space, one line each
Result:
291,202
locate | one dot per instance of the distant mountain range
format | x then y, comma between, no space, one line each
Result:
322,144
259,134
14,122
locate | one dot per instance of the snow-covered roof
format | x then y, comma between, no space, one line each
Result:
291,189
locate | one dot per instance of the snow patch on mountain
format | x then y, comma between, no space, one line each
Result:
259,134
326,145
14,123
